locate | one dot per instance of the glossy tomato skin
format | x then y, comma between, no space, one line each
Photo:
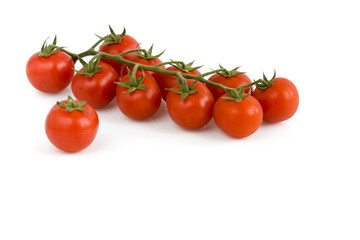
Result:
71,131
97,90
279,102
238,119
126,44
233,82
50,74
195,111
137,59
139,104
166,81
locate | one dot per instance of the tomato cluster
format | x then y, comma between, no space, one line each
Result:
116,71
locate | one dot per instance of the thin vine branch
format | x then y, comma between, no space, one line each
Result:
119,58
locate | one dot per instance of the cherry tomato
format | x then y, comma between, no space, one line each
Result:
238,119
139,104
193,112
137,59
52,73
166,81
233,82
125,44
279,102
97,90
71,125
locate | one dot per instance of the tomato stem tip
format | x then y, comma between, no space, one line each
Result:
71,105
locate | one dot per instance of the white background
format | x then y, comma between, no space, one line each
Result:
299,179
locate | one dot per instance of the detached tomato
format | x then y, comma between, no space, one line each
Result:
193,112
52,73
71,125
97,90
235,81
166,81
138,96
116,44
238,119
279,101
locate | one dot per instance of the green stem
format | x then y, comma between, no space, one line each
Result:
180,76
171,62
131,51
252,83
156,68
71,105
133,73
90,52
211,72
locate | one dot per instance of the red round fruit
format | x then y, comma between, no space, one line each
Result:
139,104
193,112
52,73
279,101
238,119
71,131
97,90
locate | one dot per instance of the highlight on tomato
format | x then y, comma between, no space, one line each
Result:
71,125
166,81
50,70
115,44
229,78
137,94
278,97
190,104
94,83
238,116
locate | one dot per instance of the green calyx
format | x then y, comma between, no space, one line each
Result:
47,50
71,105
134,83
112,37
229,73
237,94
90,68
264,83
148,54
185,90
185,67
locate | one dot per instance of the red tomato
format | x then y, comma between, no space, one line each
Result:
71,131
139,104
125,44
166,81
279,102
135,58
52,73
233,82
238,119
195,111
97,90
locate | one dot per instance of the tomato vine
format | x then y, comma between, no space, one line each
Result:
192,98
233,92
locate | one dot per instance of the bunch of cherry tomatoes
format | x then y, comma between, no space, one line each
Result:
117,71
